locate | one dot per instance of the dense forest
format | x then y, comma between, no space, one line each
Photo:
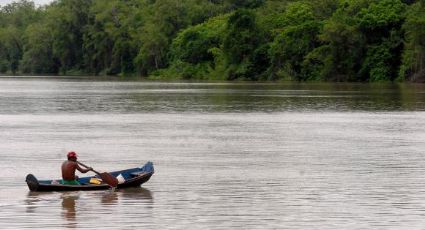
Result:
303,40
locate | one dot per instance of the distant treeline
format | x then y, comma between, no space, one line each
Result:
321,40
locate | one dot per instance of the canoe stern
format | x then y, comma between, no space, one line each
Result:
32,182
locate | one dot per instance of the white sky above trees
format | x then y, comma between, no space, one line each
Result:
37,2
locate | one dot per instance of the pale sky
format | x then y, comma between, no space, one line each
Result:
37,2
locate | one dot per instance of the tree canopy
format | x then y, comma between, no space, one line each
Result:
302,40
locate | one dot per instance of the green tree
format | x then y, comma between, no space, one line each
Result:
191,52
15,17
339,58
111,38
293,41
413,61
193,45
165,19
241,38
38,51
67,20
11,48
362,42
381,25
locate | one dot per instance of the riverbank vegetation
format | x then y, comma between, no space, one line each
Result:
320,40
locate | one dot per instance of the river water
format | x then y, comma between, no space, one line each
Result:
226,155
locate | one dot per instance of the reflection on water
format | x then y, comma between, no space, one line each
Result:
83,96
69,211
136,193
110,198
82,204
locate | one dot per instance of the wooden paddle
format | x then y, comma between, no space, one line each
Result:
106,177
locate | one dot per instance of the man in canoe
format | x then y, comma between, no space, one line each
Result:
68,170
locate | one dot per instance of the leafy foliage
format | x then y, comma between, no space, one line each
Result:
413,61
324,40
293,41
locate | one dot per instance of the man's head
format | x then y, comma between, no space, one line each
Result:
72,156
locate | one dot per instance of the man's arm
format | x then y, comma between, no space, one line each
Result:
83,170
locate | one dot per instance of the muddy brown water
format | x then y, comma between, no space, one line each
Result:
226,155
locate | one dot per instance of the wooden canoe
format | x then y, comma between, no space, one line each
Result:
133,177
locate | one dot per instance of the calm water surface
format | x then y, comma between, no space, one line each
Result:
227,155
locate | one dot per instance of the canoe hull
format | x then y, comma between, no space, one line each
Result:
133,178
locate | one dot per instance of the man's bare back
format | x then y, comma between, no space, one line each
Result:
68,170
69,167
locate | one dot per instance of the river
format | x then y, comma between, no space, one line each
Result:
226,155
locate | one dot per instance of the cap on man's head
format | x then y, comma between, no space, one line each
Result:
72,154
